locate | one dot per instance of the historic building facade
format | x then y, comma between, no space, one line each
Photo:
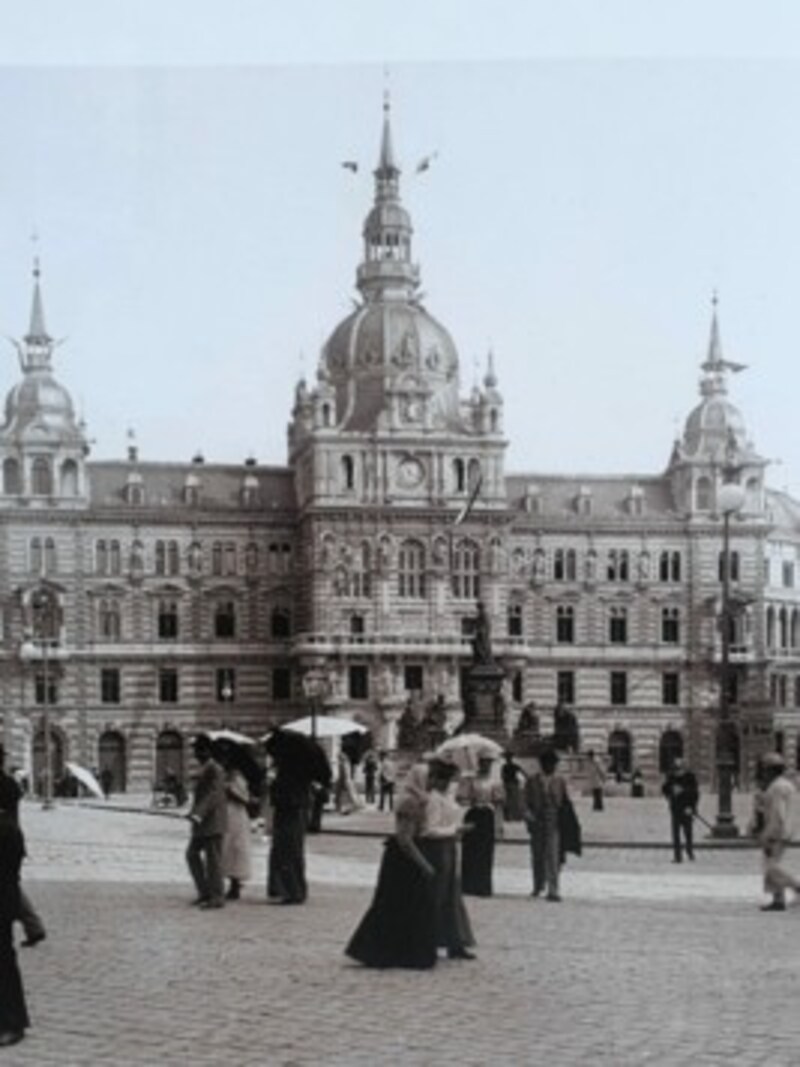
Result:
141,601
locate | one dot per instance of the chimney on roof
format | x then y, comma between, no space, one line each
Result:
198,458
250,461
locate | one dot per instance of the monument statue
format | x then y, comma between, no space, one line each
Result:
482,638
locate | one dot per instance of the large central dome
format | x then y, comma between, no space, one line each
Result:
390,354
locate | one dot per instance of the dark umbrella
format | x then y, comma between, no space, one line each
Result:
299,756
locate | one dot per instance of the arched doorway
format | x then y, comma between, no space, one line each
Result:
111,761
670,748
56,759
620,753
169,757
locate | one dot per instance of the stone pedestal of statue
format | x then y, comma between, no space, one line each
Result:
484,706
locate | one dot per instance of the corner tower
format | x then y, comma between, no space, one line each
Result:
43,447
715,447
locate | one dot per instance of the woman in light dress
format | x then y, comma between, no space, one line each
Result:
236,862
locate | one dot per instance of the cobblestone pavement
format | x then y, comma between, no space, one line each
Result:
645,962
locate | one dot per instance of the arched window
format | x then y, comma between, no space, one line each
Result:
466,571
783,628
459,475
620,752
11,479
35,555
111,761
101,558
230,558
173,558
770,627
326,415
69,478
360,578
411,570
473,473
161,557
216,558
702,494
733,556
169,758
50,559
109,620
41,477
515,620
348,472
794,629
281,623
670,748
114,558
752,495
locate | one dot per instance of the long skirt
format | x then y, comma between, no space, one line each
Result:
399,928
287,863
13,1010
513,809
477,852
236,843
453,930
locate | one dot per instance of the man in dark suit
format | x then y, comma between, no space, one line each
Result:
209,817
545,798
27,915
681,790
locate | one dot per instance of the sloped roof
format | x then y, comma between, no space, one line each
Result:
610,494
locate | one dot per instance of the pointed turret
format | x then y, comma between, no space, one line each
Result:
387,272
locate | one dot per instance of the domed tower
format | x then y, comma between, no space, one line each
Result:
386,410
715,447
43,447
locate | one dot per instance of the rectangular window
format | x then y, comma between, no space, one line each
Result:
565,687
109,685
52,688
670,626
565,625
412,678
517,687
226,685
618,626
619,688
515,620
358,682
788,575
168,685
167,621
670,688
281,683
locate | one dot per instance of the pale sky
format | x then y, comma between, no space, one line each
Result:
595,182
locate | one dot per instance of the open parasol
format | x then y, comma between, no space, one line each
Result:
324,726
465,750
298,755
86,779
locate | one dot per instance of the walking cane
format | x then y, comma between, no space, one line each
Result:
705,822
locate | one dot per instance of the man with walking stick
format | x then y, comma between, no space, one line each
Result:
682,793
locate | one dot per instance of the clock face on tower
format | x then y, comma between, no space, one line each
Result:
411,409
410,473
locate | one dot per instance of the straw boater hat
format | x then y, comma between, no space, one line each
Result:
773,759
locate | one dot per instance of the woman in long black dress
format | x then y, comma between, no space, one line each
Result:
484,800
444,823
399,928
13,1011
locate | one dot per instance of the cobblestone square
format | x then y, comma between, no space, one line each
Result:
644,962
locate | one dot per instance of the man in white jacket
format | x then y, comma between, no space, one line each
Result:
777,830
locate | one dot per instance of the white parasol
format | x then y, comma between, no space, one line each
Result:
326,726
86,778
233,736
464,750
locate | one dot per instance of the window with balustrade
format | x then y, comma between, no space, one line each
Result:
466,582
411,578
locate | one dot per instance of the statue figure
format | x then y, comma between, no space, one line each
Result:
539,565
195,558
482,639
644,566
528,720
590,565
565,730
408,728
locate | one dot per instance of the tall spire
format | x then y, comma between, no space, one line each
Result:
386,271
37,333
715,368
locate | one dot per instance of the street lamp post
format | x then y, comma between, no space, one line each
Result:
43,608
729,500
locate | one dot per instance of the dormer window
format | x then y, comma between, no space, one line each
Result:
249,492
583,502
11,479
134,490
191,488
635,501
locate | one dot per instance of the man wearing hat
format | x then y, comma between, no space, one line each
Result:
209,817
682,793
776,830
545,798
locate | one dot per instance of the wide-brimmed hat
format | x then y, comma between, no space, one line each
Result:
773,759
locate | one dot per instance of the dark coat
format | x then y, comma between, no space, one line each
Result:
209,805
682,792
